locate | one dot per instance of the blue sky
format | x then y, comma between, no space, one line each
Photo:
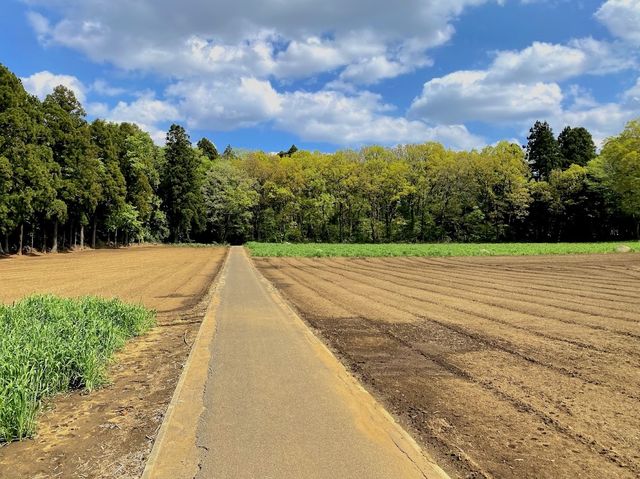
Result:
333,74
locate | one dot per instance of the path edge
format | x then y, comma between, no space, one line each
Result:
174,454
403,440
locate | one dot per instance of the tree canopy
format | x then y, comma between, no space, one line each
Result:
61,176
543,152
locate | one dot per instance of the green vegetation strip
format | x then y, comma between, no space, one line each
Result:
50,345
318,250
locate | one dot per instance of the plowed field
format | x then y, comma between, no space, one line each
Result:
109,432
502,367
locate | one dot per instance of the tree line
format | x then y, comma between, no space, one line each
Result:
66,182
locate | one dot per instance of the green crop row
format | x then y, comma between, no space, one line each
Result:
436,249
50,345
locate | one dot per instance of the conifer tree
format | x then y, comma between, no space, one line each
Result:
543,153
181,186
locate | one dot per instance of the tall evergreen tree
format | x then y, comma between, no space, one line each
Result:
104,137
543,153
228,153
576,146
181,186
23,144
72,150
289,153
6,185
208,149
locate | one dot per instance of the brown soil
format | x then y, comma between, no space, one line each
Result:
502,367
109,432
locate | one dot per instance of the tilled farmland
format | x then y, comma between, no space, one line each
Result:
502,367
109,432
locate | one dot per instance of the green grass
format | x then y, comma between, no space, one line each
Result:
50,345
433,249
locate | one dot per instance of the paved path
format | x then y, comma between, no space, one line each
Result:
277,403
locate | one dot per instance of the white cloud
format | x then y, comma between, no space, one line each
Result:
253,37
332,117
225,105
518,86
601,119
146,111
622,18
352,120
553,62
101,87
632,96
327,116
474,96
43,83
226,64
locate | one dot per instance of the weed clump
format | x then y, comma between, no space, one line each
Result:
50,345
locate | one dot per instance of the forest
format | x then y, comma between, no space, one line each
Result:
67,183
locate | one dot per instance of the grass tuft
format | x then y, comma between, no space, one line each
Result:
319,250
50,345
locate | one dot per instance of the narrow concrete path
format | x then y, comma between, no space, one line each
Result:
277,404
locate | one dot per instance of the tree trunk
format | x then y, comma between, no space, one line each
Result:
32,236
81,236
6,243
340,224
93,234
21,239
116,238
54,246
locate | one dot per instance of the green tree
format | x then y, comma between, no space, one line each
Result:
6,185
140,173
81,188
228,153
289,153
576,146
385,183
105,137
23,144
181,183
500,173
208,149
619,168
543,153
127,221
229,198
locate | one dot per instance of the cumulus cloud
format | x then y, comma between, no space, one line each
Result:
554,62
101,87
328,115
227,65
331,116
622,18
43,83
265,37
226,105
475,96
601,119
518,86
146,111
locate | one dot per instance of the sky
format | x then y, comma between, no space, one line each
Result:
332,74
